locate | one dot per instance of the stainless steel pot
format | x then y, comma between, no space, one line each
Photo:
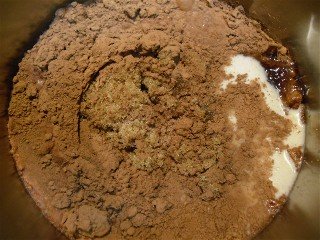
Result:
294,22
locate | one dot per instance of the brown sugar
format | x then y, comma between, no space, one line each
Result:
120,131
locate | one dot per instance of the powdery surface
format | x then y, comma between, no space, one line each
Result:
120,130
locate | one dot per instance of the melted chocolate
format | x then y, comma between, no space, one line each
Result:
284,75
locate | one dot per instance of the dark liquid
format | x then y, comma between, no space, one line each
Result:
285,77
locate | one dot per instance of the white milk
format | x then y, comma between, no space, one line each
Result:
284,171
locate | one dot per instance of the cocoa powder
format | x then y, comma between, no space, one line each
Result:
120,130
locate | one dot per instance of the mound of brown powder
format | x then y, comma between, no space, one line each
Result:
120,130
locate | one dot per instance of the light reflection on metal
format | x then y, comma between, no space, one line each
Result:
312,42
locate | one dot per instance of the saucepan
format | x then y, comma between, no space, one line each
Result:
293,22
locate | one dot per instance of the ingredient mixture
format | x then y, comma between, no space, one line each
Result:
157,120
